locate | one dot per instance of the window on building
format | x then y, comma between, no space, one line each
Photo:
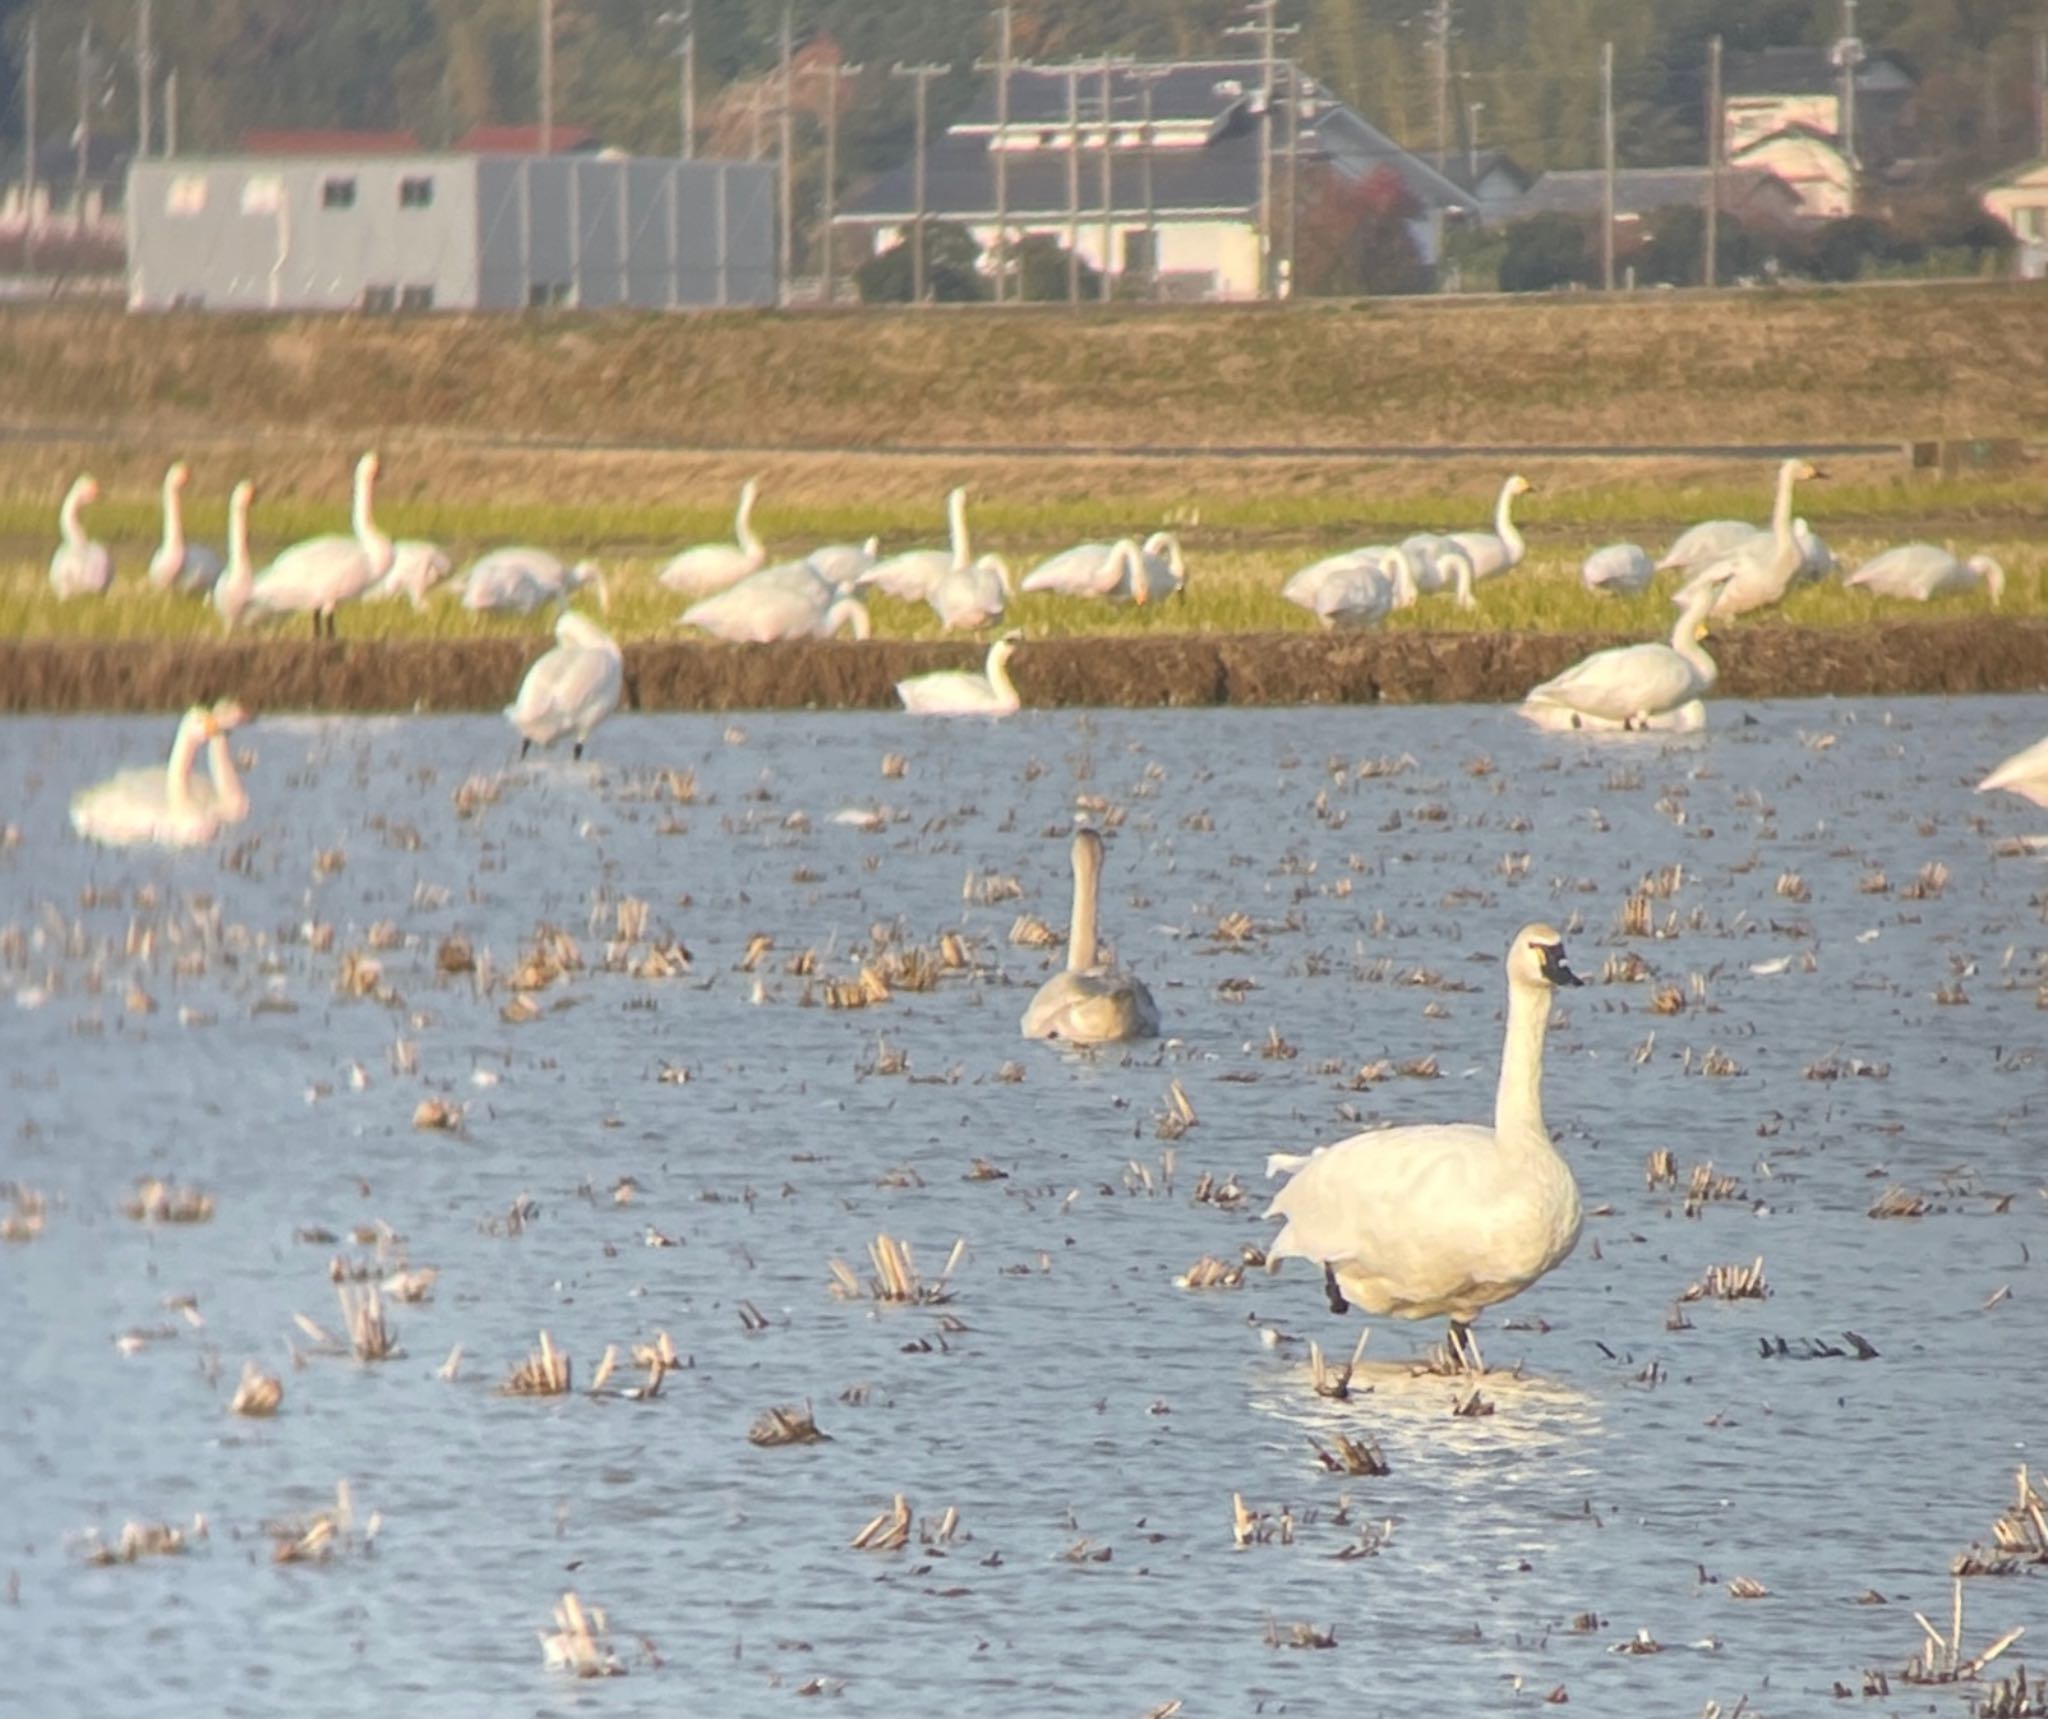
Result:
186,194
338,194
416,193
262,194
380,300
416,298
1141,252
540,295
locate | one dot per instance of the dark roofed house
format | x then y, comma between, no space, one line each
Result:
1746,193
1182,142
277,141
1498,182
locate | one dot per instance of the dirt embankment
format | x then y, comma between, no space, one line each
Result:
1963,656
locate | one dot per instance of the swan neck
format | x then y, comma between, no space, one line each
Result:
1504,521
743,524
68,522
1685,637
364,521
228,793
1081,930
178,773
1518,1102
999,674
956,519
174,518
1781,509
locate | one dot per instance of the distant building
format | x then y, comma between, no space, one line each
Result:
1775,89
381,230
1811,162
1182,204
1497,183
1747,194
2020,200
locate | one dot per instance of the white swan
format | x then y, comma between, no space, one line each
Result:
911,575
1156,572
317,576
1090,1004
571,689
1623,568
1631,686
974,595
230,594
1440,565
1357,588
152,805
1816,559
1081,570
520,579
1914,572
1497,551
189,568
1447,1218
844,563
1763,565
960,692
80,567
417,566
709,568
220,790
791,600
1707,541
2025,773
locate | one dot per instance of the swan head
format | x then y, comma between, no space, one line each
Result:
1991,573
1536,958
87,488
1802,471
242,494
872,549
367,466
176,477
228,714
1519,485
1003,649
1087,851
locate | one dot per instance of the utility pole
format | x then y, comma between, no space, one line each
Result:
1440,39
171,112
28,138
922,77
82,137
1073,185
1266,28
1147,76
1473,109
547,77
786,147
1104,282
999,144
1293,173
1607,166
831,74
1847,55
686,79
1714,142
145,79
2040,94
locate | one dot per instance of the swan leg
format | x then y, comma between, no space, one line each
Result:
525,746
1337,1302
1464,1348
576,752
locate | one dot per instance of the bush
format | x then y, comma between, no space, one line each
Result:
950,272
1041,264
1546,251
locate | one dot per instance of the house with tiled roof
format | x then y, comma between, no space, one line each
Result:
1776,89
1747,193
1179,205
1811,161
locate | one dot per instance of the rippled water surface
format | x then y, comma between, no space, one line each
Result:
1310,894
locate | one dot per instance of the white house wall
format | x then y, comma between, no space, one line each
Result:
1746,119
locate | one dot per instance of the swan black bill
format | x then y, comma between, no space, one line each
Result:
1338,1304
1555,967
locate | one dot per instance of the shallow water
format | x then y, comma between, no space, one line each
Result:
1069,1392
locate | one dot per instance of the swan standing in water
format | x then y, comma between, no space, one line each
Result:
1623,568
520,579
1638,686
911,575
972,596
1358,588
2025,773
1090,1004
960,692
791,600
1762,566
1448,1218
230,593
146,805
571,689
709,568
81,567
188,568
1914,572
1495,552
320,574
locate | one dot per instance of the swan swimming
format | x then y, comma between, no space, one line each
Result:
911,575
2025,773
320,574
520,579
1445,1218
152,805
961,692
1914,572
80,567
1764,564
188,568
1500,550
1633,686
708,568
571,689
1090,1004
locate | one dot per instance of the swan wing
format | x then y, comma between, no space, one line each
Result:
1075,572
1623,682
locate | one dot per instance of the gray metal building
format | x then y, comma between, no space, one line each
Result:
449,232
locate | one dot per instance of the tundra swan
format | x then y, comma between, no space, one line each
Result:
1763,565
1090,1004
1707,541
81,567
2025,773
1497,551
220,789
231,590
1083,570
1157,571
571,689
152,805
974,595
1623,568
911,575
709,568
417,566
961,692
188,568
843,563
1444,1218
1357,588
1915,572
320,574
521,578
791,600
1628,686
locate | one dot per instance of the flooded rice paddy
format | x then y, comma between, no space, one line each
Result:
1815,966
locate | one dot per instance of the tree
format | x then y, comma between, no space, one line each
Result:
1041,263
950,272
1353,237
1547,251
